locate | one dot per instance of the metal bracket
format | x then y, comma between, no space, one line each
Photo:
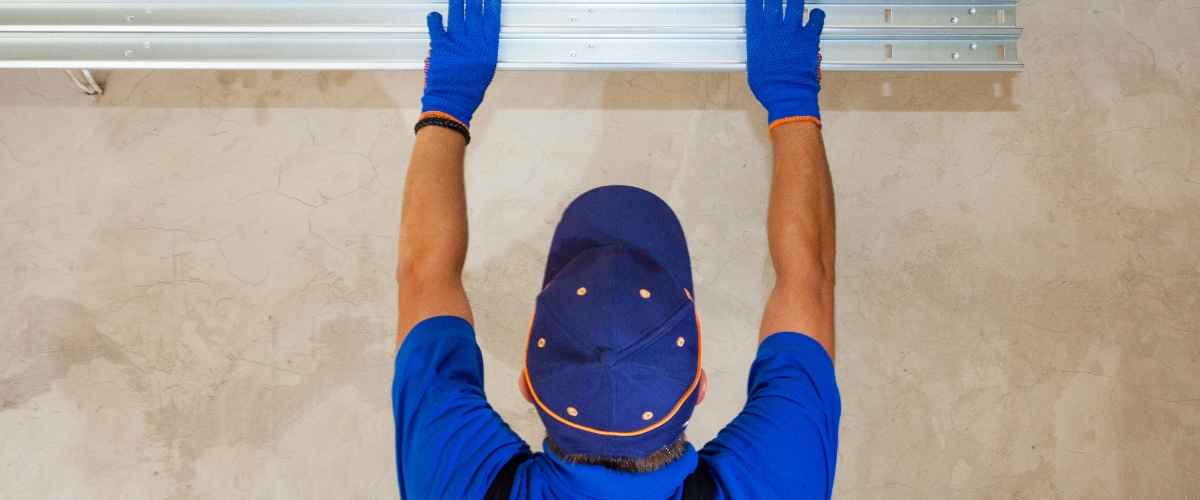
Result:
693,35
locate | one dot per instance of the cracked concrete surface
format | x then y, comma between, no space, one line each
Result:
196,269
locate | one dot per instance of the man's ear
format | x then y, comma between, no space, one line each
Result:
525,387
703,387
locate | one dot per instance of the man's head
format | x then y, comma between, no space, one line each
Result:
612,361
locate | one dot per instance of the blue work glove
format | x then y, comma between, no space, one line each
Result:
462,59
783,59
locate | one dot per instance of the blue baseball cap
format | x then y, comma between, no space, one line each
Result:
613,355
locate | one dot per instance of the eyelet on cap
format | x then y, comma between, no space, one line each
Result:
645,293
572,411
679,342
647,416
542,342
581,291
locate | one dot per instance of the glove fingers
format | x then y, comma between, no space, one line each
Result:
474,15
793,16
436,30
816,22
491,19
754,14
773,15
457,16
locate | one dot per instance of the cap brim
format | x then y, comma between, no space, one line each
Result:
621,215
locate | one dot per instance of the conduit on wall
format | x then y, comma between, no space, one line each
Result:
687,35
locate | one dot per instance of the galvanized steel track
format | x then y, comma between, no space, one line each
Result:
692,35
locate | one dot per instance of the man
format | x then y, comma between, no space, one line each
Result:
613,355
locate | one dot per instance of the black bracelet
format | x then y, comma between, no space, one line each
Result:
443,122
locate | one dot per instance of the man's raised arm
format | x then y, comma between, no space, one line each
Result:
800,234
784,71
433,219
433,231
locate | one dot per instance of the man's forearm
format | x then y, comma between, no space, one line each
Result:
433,228
800,234
800,221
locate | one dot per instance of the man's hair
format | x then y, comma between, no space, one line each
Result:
655,461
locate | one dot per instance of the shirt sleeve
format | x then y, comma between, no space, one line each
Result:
784,442
450,443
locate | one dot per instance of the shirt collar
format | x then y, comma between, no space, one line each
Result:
597,481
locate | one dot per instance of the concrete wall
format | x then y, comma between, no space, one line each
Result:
196,269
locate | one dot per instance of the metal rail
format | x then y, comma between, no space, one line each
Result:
687,35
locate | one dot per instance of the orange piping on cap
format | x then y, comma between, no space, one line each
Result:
667,418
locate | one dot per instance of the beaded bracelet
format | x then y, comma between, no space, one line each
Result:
451,124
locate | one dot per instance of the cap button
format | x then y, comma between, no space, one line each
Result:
608,357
